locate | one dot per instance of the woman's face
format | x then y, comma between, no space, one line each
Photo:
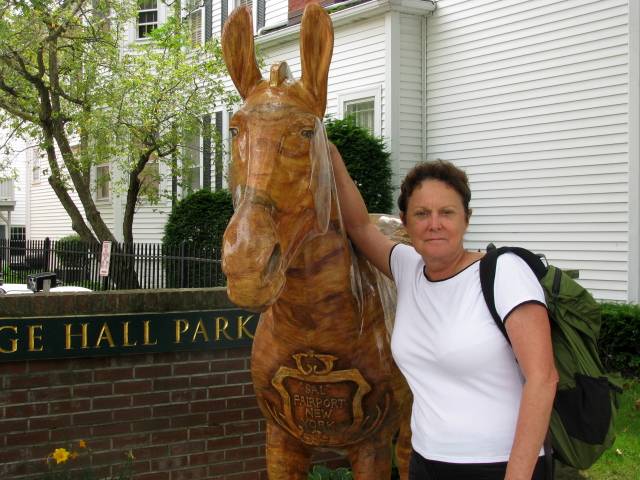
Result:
436,220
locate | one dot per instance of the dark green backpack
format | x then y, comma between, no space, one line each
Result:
585,406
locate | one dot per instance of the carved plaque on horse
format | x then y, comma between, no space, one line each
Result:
321,362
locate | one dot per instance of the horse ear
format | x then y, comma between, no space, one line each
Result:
316,48
321,177
238,50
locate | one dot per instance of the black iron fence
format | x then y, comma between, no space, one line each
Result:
137,265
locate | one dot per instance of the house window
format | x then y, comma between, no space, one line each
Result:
103,182
150,181
364,107
36,168
18,233
195,26
147,17
362,112
257,10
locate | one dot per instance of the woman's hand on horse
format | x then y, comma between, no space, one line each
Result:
366,237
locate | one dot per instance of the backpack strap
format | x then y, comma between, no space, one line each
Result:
488,265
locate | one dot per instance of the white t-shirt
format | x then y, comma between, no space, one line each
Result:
465,381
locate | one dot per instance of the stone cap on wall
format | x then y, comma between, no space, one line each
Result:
113,301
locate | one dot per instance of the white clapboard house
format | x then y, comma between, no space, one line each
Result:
538,100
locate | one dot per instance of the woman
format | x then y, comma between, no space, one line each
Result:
481,407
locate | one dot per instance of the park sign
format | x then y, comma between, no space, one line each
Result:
38,338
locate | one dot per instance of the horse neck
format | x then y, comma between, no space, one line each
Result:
321,268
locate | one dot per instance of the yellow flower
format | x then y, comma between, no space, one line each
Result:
82,444
73,455
60,455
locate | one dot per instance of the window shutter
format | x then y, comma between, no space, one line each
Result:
218,167
223,13
195,25
206,152
208,24
260,14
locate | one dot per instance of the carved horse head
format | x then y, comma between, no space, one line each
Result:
280,174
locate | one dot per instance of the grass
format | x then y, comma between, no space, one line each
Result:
622,461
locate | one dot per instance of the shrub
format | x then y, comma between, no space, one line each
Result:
366,160
194,229
619,342
71,251
200,219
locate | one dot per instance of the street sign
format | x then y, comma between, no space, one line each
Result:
105,259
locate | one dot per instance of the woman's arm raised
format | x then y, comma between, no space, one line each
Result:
366,237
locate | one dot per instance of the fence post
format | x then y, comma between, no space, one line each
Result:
47,253
5,260
182,264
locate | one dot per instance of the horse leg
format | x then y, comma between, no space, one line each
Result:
403,446
371,460
287,457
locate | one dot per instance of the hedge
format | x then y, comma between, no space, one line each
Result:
619,342
194,229
367,161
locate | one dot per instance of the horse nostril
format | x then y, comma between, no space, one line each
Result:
274,260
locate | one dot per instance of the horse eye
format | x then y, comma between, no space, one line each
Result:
233,131
307,133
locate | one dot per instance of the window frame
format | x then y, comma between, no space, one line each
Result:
99,197
36,166
22,234
137,36
233,4
143,197
200,37
353,96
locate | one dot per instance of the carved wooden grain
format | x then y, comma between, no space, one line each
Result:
321,362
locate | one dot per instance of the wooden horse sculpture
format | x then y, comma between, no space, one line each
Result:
321,363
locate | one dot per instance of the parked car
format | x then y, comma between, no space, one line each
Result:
22,289
37,283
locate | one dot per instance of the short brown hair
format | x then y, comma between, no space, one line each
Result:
441,170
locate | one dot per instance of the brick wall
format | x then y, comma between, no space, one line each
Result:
183,415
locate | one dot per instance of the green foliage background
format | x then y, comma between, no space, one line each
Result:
200,219
367,161
194,229
619,342
71,251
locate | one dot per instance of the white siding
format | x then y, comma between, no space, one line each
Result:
358,60
412,95
47,216
106,212
216,24
149,221
275,12
531,99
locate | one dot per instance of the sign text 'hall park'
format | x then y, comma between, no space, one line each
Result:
89,336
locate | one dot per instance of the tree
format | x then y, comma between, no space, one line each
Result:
65,80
